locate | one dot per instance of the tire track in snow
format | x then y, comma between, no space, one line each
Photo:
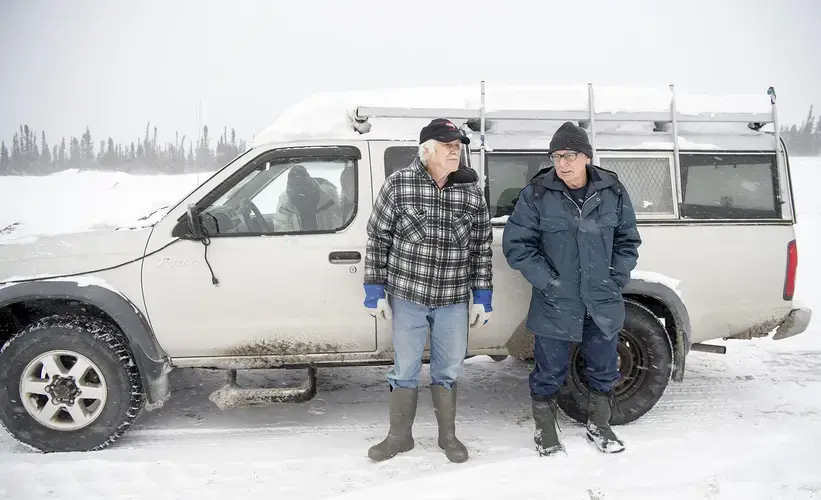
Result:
216,436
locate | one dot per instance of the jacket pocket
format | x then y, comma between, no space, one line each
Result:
553,224
554,235
460,229
607,223
411,225
546,291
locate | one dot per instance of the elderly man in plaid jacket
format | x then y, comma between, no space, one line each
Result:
428,249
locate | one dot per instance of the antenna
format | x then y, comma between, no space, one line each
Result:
199,136
482,131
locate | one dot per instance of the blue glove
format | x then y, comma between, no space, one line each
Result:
375,302
372,295
481,309
484,297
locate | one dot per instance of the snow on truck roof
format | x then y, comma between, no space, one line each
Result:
335,116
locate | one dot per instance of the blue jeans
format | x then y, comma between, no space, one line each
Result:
553,357
448,342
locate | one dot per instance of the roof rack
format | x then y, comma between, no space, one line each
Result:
476,118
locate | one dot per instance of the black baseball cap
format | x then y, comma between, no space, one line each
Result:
442,130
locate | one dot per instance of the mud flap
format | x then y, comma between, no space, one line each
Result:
521,343
232,396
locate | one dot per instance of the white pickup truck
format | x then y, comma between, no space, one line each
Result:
91,323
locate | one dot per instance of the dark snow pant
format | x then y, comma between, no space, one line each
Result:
553,357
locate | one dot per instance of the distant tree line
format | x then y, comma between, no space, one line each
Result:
803,139
30,156
27,156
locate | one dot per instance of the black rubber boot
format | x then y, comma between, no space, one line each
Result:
444,406
402,411
598,423
546,436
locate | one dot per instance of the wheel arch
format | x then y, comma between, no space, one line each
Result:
665,303
660,299
45,297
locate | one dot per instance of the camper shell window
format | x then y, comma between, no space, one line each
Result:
648,180
729,186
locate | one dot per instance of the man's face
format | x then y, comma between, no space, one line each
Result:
570,165
447,155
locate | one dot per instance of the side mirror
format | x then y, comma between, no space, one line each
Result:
194,222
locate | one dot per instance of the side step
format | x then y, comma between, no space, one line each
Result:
232,396
714,349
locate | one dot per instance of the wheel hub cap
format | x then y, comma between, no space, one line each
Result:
63,390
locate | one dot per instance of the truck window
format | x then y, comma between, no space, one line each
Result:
647,180
649,183
294,195
398,157
729,186
507,174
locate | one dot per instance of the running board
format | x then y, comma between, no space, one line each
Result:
714,349
232,396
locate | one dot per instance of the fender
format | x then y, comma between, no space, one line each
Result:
638,286
152,362
520,343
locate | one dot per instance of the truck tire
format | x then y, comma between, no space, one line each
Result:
47,368
645,363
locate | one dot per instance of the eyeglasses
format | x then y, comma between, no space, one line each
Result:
571,156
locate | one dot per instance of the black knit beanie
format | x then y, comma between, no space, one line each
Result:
571,137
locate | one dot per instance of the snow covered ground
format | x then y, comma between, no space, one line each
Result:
744,425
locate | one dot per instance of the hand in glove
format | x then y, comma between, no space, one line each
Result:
481,308
375,302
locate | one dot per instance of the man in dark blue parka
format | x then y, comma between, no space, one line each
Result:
573,236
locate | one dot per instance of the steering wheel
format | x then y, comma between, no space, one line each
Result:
257,223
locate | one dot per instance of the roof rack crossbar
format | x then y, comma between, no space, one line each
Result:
363,113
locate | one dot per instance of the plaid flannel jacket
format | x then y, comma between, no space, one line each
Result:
427,245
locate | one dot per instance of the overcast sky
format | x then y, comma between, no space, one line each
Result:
116,65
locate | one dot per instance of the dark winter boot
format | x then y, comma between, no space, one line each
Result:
402,411
545,436
598,423
444,406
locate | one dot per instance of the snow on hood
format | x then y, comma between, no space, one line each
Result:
22,234
72,201
58,255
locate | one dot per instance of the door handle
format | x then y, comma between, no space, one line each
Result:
345,257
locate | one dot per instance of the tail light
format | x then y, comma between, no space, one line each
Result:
792,267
